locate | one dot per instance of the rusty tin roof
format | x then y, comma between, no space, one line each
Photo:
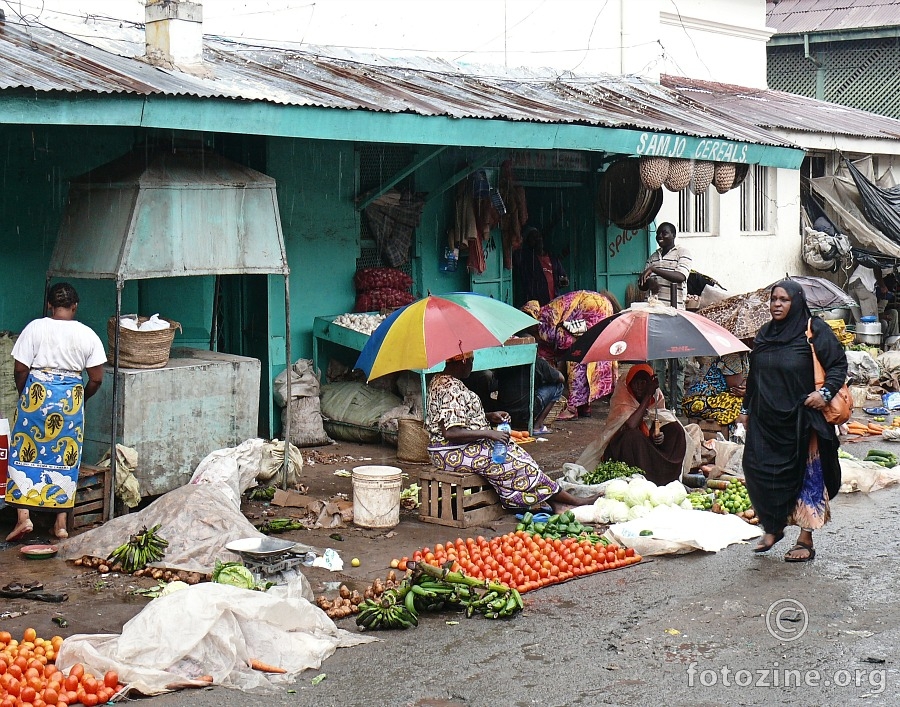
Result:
803,16
41,59
789,111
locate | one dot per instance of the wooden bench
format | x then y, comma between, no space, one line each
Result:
458,500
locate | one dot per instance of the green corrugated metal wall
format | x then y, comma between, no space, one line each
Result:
859,73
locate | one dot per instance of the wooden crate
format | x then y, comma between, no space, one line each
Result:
91,497
445,501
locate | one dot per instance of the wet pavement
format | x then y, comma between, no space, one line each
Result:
687,630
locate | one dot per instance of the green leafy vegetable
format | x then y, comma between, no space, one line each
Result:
609,470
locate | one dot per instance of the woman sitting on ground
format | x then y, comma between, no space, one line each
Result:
462,441
639,430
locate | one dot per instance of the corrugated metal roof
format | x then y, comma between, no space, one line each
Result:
789,111
44,60
802,16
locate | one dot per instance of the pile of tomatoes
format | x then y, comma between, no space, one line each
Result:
524,561
29,677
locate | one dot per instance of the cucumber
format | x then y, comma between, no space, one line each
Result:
880,453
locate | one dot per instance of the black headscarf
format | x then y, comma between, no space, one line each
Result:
793,325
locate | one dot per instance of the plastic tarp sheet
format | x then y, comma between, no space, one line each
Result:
677,531
844,208
197,520
880,205
213,630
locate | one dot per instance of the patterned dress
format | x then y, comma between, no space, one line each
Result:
586,381
519,481
709,398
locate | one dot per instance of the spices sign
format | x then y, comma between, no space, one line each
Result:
659,145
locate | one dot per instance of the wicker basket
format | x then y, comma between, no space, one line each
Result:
654,171
412,442
140,349
702,176
723,177
680,172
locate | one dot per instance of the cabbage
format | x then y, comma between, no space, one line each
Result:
636,512
686,505
618,512
660,496
677,492
637,492
172,587
234,574
616,489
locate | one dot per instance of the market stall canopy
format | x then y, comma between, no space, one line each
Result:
169,213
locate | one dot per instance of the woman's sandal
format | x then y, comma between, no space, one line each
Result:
801,546
763,547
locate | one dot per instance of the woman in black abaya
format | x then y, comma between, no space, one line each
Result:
790,459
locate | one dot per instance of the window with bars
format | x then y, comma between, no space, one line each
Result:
697,213
757,191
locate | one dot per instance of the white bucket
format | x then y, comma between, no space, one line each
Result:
376,496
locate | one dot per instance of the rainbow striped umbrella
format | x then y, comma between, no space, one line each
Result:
435,328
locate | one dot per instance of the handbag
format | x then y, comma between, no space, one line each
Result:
840,407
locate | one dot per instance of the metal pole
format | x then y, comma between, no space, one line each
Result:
214,327
115,402
287,354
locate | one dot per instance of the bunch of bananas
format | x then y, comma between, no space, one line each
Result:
429,588
384,614
140,550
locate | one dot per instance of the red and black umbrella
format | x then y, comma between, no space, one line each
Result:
649,331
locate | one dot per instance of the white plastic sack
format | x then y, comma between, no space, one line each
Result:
272,464
154,323
676,530
862,368
866,476
212,629
304,382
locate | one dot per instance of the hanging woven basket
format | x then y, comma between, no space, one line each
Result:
679,175
740,174
654,171
723,177
702,176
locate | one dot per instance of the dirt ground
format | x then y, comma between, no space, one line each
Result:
102,604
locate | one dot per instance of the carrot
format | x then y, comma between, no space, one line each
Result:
877,429
259,665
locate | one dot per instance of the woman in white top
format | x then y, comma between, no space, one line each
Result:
51,355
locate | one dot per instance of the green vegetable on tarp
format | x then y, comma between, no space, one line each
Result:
608,470
233,574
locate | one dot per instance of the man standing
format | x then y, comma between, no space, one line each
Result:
665,275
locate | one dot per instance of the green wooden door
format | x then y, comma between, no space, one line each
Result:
496,280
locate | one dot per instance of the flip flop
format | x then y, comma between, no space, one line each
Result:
876,411
801,546
544,430
26,529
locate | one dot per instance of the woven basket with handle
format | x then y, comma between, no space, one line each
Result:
140,349
412,442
